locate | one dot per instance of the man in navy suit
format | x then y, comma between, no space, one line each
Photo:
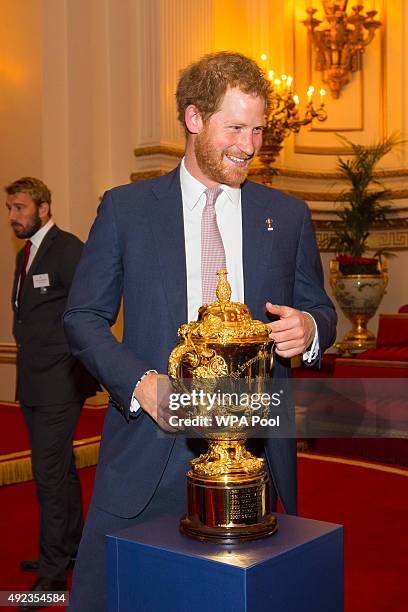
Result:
145,248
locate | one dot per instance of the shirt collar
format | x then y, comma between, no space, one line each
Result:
192,189
39,236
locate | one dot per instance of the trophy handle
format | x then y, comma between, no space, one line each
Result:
177,357
272,349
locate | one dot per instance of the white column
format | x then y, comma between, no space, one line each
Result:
145,62
55,136
169,34
87,143
186,33
111,90
67,109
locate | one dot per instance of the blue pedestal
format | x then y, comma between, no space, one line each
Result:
153,568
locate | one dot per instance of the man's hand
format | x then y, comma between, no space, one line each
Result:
152,393
293,333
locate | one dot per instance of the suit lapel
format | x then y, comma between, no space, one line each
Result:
257,241
19,264
42,251
166,217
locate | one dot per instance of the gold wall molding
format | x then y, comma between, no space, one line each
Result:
8,352
392,235
146,174
395,173
330,210
330,196
173,151
396,223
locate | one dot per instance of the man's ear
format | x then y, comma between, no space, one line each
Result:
44,211
193,119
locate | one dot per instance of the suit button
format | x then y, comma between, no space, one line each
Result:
19,321
18,345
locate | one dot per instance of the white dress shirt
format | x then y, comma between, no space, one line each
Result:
229,219
36,241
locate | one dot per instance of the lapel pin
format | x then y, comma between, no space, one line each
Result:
269,225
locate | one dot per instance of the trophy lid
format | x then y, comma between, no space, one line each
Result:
224,321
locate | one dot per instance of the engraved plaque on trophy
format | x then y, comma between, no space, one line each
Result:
228,487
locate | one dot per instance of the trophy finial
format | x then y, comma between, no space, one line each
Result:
223,290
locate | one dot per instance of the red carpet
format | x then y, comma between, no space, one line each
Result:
383,450
372,504
373,507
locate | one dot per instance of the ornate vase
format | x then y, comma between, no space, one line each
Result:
358,296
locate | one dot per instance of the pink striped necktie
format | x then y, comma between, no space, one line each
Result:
212,248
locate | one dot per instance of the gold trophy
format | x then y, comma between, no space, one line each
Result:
228,487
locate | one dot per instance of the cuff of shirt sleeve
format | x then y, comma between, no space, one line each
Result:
134,404
312,353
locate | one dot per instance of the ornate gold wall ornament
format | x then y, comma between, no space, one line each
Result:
339,41
283,116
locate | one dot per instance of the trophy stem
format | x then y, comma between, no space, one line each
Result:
227,456
228,495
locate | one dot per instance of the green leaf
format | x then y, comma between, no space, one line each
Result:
362,204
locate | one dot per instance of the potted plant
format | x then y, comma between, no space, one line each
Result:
358,281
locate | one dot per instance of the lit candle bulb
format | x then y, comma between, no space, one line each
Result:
277,83
271,74
296,99
264,59
289,81
322,93
310,92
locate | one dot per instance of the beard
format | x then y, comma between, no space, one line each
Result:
211,162
28,230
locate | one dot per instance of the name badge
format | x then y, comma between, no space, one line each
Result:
41,280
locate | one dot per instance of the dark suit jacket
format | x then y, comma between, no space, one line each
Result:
47,373
136,250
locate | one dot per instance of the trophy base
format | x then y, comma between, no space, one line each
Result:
228,509
194,528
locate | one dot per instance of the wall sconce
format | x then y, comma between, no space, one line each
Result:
340,41
283,116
